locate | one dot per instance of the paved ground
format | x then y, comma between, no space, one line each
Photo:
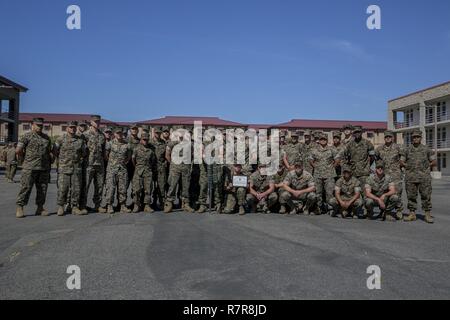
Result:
192,256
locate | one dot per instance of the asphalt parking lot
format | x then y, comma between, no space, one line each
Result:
209,256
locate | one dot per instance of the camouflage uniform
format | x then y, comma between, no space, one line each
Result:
324,172
261,183
418,175
84,165
35,168
145,160
347,190
71,152
358,156
116,172
391,155
96,142
379,186
306,151
10,163
293,152
162,166
339,149
306,200
235,195
133,141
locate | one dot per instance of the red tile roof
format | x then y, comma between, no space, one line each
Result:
59,117
184,120
332,124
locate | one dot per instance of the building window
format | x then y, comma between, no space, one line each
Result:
370,135
26,127
63,128
442,161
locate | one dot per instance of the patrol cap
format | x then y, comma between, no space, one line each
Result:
96,117
317,134
417,133
337,134
347,168
307,133
347,127
157,129
134,126
165,129
72,123
282,134
107,129
38,121
298,162
118,130
82,123
357,129
388,133
145,136
294,134
379,164
323,136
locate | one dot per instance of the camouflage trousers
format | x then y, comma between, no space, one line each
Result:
83,190
161,182
69,188
392,203
424,189
10,172
116,178
362,182
217,182
235,197
399,188
354,208
96,175
263,204
142,187
177,173
326,186
30,178
307,200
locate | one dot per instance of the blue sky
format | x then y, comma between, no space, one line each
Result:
253,61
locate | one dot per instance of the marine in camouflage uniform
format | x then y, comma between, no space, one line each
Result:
82,127
178,173
292,151
299,190
324,160
347,200
348,134
234,196
359,153
418,161
339,147
144,160
278,179
306,150
380,192
35,148
390,154
119,154
261,196
133,141
71,150
162,166
10,158
96,143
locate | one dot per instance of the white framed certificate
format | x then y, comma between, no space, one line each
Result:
240,181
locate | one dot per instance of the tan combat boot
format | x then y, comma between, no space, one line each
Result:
101,210
388,216
60,211
41,211
148,209
76,210
282,209
168,206
410,217
124,209
428,217
187,207
19,212
241,210
110,209
83,212
135,208
202,209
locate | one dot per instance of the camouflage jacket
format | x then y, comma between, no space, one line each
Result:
159,146
349,188
95,142
391,158
279,177
145,159
323,159
293,152
307,150
71,152
37,149
379,186
357,155
10,156
119,154
304,181
260,182
417,163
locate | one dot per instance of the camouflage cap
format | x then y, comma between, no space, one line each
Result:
416,133
347,127
82,123
145,136
357,129
96,117
379,164
157,129
307,133
388,133
337,134
118,130
134,126
294,134
165,129
347,168
298,162
38,120
317,134
107,129
323,136
72,123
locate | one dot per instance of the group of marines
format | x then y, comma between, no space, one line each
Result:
346,177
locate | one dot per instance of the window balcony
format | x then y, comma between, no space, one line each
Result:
441,144
406,124
440,117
